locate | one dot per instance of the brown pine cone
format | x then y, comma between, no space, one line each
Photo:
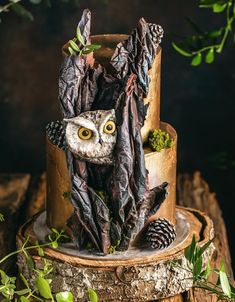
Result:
160,233
56,134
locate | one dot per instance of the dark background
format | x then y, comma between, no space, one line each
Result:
199,102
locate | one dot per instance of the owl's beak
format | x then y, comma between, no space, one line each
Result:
100,140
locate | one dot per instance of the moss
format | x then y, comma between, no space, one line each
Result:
67,195
103,195
159,140
112,248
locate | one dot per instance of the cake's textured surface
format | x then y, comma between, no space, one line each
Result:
112,203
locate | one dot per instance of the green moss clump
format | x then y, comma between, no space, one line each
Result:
159,140
67,195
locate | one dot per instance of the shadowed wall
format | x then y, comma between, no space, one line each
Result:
199,102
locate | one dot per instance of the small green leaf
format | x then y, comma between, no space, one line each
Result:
207,271
204,248
215,33
43,287
64,297
92,295
72,52
40,251
54,244
187,253
224,281
4,278
21,11
219,8
30,262
23,291
193,247
197,266
23,299
80,37
74,46
92,46
181,51
197,59
24,280
86,51
55,231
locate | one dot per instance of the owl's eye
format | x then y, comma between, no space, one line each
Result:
109,127
85,133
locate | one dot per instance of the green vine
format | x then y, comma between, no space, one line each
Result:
208,44
201,274
159,140
42,289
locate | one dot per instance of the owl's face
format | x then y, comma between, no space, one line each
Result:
92,135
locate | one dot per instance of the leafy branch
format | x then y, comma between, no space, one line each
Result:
42,283
208,44
15,6
77,45
41,290
201,274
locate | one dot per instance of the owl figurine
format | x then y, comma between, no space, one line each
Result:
91,136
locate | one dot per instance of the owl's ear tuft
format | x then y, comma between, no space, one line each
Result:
70,120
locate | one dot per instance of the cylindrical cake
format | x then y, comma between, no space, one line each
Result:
160,165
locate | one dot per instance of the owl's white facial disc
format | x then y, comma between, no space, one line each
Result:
92,135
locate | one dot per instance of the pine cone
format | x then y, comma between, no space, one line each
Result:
56,134
160,234
156,32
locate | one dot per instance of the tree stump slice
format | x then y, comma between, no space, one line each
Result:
135,275
193,191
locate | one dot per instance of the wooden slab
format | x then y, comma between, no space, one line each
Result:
134,275
194,192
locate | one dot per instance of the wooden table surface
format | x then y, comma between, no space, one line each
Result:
23,195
